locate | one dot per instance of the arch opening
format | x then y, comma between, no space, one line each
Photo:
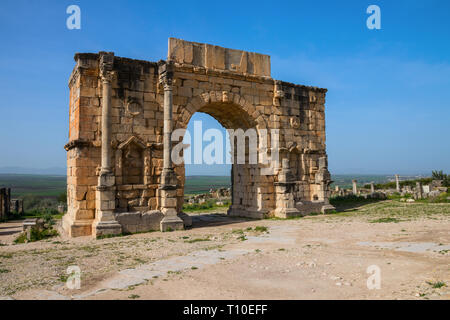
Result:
230,187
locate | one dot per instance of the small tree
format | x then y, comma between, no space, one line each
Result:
62,197
440,175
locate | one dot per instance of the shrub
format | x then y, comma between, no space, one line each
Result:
442,198
33,203
62,197
48,219
440,175
36,235
437,284
347,199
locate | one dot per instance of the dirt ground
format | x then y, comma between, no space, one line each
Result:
315,257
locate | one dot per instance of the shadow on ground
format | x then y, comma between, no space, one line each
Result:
10,227
202,220
349,205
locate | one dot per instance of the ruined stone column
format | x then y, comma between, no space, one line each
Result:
419,192
168,187
355,188
105,122
397,183
372,187
105,198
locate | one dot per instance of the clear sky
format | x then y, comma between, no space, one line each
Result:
387,108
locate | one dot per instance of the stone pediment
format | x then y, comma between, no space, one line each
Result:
132,139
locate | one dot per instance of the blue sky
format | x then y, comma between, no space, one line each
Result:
387,107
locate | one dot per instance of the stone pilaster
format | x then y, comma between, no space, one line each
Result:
284,192
323,179
105,202
168,187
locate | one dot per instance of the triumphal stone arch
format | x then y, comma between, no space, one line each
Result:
120,174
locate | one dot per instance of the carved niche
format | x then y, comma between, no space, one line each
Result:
133,162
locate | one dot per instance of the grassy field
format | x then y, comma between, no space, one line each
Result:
46,186
202,184
39,185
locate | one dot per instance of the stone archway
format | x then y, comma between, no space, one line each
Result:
123,112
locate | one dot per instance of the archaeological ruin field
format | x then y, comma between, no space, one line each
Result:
314,257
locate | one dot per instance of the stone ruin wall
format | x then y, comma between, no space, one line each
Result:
8,205
5,201
233,86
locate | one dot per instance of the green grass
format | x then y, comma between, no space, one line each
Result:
442,198
197,240
385,220
204,207
173,272
350,200
63,277
261,229
437,284
392,211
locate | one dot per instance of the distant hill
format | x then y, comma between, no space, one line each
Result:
45,171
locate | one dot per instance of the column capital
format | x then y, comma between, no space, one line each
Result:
166,70
167,83
108,76
106,66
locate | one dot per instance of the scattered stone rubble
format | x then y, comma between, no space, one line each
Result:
420,191
220,195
